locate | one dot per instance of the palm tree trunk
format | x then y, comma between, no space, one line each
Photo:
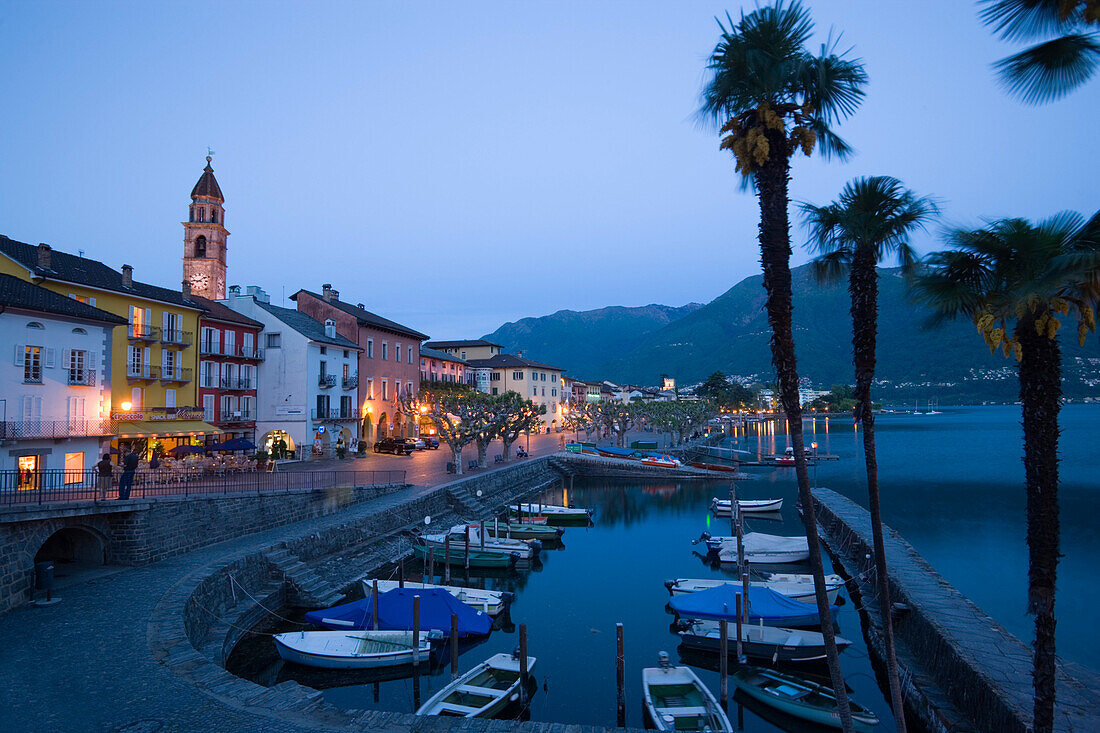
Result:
775,252
1040,398
863,288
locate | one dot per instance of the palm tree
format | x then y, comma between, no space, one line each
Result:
1052,68
870,222
772,97
1013,273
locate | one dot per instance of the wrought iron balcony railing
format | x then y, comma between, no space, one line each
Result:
351,381
334,413
57,428
176,336
142,371
179,374
142,332
326,380
82,377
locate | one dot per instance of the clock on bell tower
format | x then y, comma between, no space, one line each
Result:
205,238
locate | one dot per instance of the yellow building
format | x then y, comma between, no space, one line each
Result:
154,359
540,383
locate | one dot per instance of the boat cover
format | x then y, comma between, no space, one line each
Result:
759,542
623,452
720,602
395,611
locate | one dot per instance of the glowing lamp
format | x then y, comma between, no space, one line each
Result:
126,405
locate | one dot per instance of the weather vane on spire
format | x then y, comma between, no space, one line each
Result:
209,154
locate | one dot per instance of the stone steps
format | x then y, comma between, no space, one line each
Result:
305,588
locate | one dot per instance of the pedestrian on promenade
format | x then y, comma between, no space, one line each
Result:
154,462
129,465
104,469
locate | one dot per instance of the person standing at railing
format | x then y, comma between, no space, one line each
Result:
103,470
129,466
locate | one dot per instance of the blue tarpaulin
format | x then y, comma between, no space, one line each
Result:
395,612
720,603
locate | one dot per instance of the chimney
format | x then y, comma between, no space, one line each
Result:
234,290
330,328
335,294
360,306
520,353
326,291
44,255
187,288
127,276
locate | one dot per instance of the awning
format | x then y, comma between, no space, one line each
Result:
164,429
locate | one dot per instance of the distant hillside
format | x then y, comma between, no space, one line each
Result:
578,341
731,334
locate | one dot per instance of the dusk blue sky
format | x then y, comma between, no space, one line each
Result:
458,165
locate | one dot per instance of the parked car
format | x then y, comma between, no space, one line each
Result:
430,443
419,444
397,446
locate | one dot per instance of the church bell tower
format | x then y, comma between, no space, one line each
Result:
205,237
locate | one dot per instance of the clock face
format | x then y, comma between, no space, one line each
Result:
199,280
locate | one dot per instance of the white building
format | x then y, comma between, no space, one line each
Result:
55,393
308,381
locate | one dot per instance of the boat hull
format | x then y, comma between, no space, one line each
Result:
556,516
451,700
525,531
478,558
777,644
803,592
487,601
863,720
695,707
721,507
290,652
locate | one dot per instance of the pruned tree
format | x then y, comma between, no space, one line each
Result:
456,411
583,416
617,419
520,416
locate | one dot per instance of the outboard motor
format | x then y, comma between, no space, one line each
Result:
702,538
662,660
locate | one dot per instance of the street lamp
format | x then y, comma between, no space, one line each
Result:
814,447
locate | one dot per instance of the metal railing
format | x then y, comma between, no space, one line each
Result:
209,347
236,352
41,487
326,380
238,417
248,352
141,332
236,383
352,381
179,374
59,428
334,413
142,371
82,377
177,336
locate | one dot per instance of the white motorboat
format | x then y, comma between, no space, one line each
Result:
552,512
721,507
482,692
797,587
522,549
352,649
762,548
491,602
677,700
775,643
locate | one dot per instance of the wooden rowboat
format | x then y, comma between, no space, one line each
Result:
799,697
797,587
677,700
482,692
774,643
351,649
714,467
721,507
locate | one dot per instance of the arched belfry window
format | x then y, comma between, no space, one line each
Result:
214,215
202,213
200,246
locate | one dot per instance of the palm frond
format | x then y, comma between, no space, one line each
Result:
832,84
829,143
1050,70
1019,19
831,266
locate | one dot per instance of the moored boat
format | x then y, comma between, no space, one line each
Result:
714,467
799,697
555,514
395,612
763,606
457,556
352,649
760,548
482,692
661,461
797,587
676,700
522,549
524,531
721,507
491,602
774,643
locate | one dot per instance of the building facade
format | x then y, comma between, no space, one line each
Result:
389,361
55,394
439,366
228,372
540,383
205,238
309,379
468,350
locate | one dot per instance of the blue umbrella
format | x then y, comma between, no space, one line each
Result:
238,444
221,446
182,450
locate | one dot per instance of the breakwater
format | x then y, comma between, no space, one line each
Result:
960,669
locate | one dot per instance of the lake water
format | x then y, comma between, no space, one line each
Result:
951,484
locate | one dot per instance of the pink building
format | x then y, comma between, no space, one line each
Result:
389,363
439,366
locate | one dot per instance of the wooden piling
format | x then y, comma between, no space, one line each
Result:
523,662
431,564
454,646
620,676
723,658
374,603
740,650
401,574
447,559
481,533
467,563
416,630
733,509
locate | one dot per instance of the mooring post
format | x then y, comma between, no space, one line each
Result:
431,564
523,662
741,544
496,526
724,660
447,559
416,630
401,574
481,532
620,676
467,550
744,615
733,509
739,648
374,603
454,646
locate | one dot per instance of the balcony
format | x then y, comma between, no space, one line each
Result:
236,384
81,377
334,413
179,374
34,376
351,382
141,332
209,347
248,352
324,381
236,418
142,372
178,337
38,429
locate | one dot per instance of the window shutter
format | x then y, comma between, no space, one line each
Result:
89,360
148,316
164,321
145,362
132,309
51,355
66,358
91,302
20,351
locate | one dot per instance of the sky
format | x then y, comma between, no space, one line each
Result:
455,166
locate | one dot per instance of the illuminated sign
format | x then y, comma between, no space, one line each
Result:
127,416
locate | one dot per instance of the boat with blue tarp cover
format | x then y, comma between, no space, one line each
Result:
764,605
395,611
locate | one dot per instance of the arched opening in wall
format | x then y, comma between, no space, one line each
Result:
367,428
200,246
74,551
278,444
383,426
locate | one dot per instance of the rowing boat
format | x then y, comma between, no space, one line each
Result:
482,692
554,514
774,643
799,697
721,507
352,649
677,700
